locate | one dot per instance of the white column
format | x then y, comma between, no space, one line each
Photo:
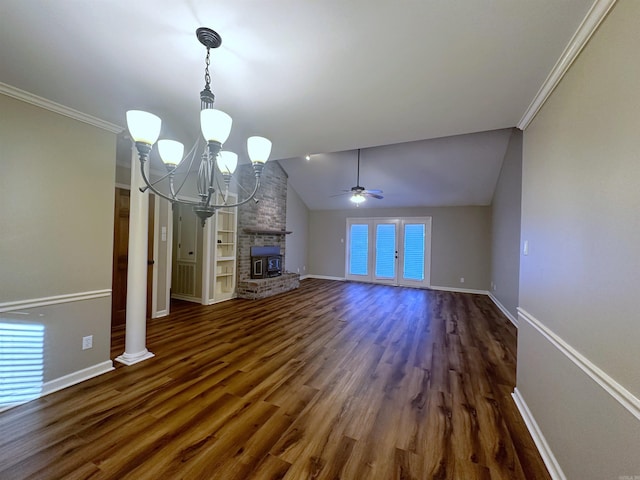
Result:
136,328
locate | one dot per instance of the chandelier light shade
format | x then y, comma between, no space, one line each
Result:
259,149
144,127
227,162
215,125
170,152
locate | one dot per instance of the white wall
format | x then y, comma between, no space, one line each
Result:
505,228
297,242
581,217
56,232
460,242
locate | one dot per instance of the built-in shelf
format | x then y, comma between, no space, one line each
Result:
260,231
224,283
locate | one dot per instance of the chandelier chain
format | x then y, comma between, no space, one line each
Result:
207,77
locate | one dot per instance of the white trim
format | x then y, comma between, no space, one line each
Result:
68,381
547,455
76,377
186,298
169,271
131,359
617,391
162,313
459,290
304,277
45,301
325,277
502,308
207,264
27,97
596,14
156,245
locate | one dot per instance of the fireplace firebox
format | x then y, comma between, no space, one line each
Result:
266,262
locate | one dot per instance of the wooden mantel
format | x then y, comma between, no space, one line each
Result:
262,231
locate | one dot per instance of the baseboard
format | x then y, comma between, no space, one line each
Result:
459,290
326,277
502,308
304,277
547,455
161,313
67,381
613,388
186,298
76,377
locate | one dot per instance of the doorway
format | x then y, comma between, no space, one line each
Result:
394,251
121,257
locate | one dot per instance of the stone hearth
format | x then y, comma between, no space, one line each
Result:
254,289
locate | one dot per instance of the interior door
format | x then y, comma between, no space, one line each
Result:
120,258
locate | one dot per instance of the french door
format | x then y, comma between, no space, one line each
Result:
395,251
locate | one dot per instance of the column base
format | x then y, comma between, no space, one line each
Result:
133,358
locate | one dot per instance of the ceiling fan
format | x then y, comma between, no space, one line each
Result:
358,193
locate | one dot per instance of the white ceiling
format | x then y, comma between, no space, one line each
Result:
315,77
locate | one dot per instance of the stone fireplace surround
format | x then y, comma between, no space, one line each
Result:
263,224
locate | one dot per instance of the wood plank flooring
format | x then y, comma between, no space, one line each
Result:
335,380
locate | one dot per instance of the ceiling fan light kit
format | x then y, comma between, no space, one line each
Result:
358,193
144,128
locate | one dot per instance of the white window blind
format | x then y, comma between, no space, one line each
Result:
21,362
414,251
386,250
359,249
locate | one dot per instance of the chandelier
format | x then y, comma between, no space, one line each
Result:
144,128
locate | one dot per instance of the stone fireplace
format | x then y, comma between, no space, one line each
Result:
263,224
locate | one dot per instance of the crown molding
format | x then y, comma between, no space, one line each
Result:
589,25
27,97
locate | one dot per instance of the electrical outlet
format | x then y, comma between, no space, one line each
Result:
87,342
461,279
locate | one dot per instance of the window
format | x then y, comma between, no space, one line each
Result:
359,249
413,265
394,251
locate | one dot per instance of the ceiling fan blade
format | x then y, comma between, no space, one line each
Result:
372,195
340,194
378,192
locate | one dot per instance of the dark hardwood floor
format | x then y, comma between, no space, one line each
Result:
334,380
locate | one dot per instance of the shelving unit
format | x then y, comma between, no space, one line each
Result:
226,236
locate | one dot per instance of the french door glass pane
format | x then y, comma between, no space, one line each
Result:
386,250
414,252
359,250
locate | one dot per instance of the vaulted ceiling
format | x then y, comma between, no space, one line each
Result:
323,78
